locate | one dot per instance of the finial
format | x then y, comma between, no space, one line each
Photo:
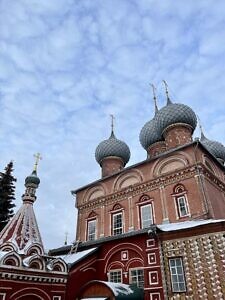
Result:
201,129
154,97
112,125
38,158
66,236
167,93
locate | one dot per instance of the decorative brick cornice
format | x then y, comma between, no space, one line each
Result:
4,275
163,180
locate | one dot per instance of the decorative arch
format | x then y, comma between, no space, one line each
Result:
130,178
92,214
117,206
8,247
172,163
35,262
118,248
35,249
12,259
144,198
95,192
58,265
179,188
33,293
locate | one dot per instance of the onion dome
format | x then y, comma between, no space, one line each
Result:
174,113
214,147
150,132
112,147
32,179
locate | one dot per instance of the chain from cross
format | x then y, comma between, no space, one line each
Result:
38,158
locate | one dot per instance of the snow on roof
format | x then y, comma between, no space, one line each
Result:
75,257
2,254
187,224
119,288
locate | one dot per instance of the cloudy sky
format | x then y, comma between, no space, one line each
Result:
65,65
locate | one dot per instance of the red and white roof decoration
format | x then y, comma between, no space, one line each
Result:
22,230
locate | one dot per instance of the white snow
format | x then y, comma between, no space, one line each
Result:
74,257
186,224
118,288
2,254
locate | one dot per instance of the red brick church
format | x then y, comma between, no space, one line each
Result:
154,230
158,225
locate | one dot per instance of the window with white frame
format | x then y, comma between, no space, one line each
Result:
117,223
137,277
2,296
146,215
182,206
115,276
177,274
91,230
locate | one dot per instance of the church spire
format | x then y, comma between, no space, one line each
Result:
167,93
22,230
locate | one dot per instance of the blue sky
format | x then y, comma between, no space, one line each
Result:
65,65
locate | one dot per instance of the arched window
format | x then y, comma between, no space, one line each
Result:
91,226
181,201
117,219
145,207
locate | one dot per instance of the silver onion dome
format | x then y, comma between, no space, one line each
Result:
32,179
174,113
112,147
214,147
150,134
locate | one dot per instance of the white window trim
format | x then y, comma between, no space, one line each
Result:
115,270
185,287
112,217
134,269
4,295
141,214
177,207
186,206
87,230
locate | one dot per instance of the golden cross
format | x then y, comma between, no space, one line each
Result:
112,121
38,158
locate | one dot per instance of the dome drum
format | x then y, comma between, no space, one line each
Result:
111,165
156,149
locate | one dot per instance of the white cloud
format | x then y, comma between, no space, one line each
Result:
66,65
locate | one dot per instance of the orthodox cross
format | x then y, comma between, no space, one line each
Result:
37,159
112,122
154,96
167,92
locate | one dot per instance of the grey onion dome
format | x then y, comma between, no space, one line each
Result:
150,134
112,147
174,113
32,179
214,147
